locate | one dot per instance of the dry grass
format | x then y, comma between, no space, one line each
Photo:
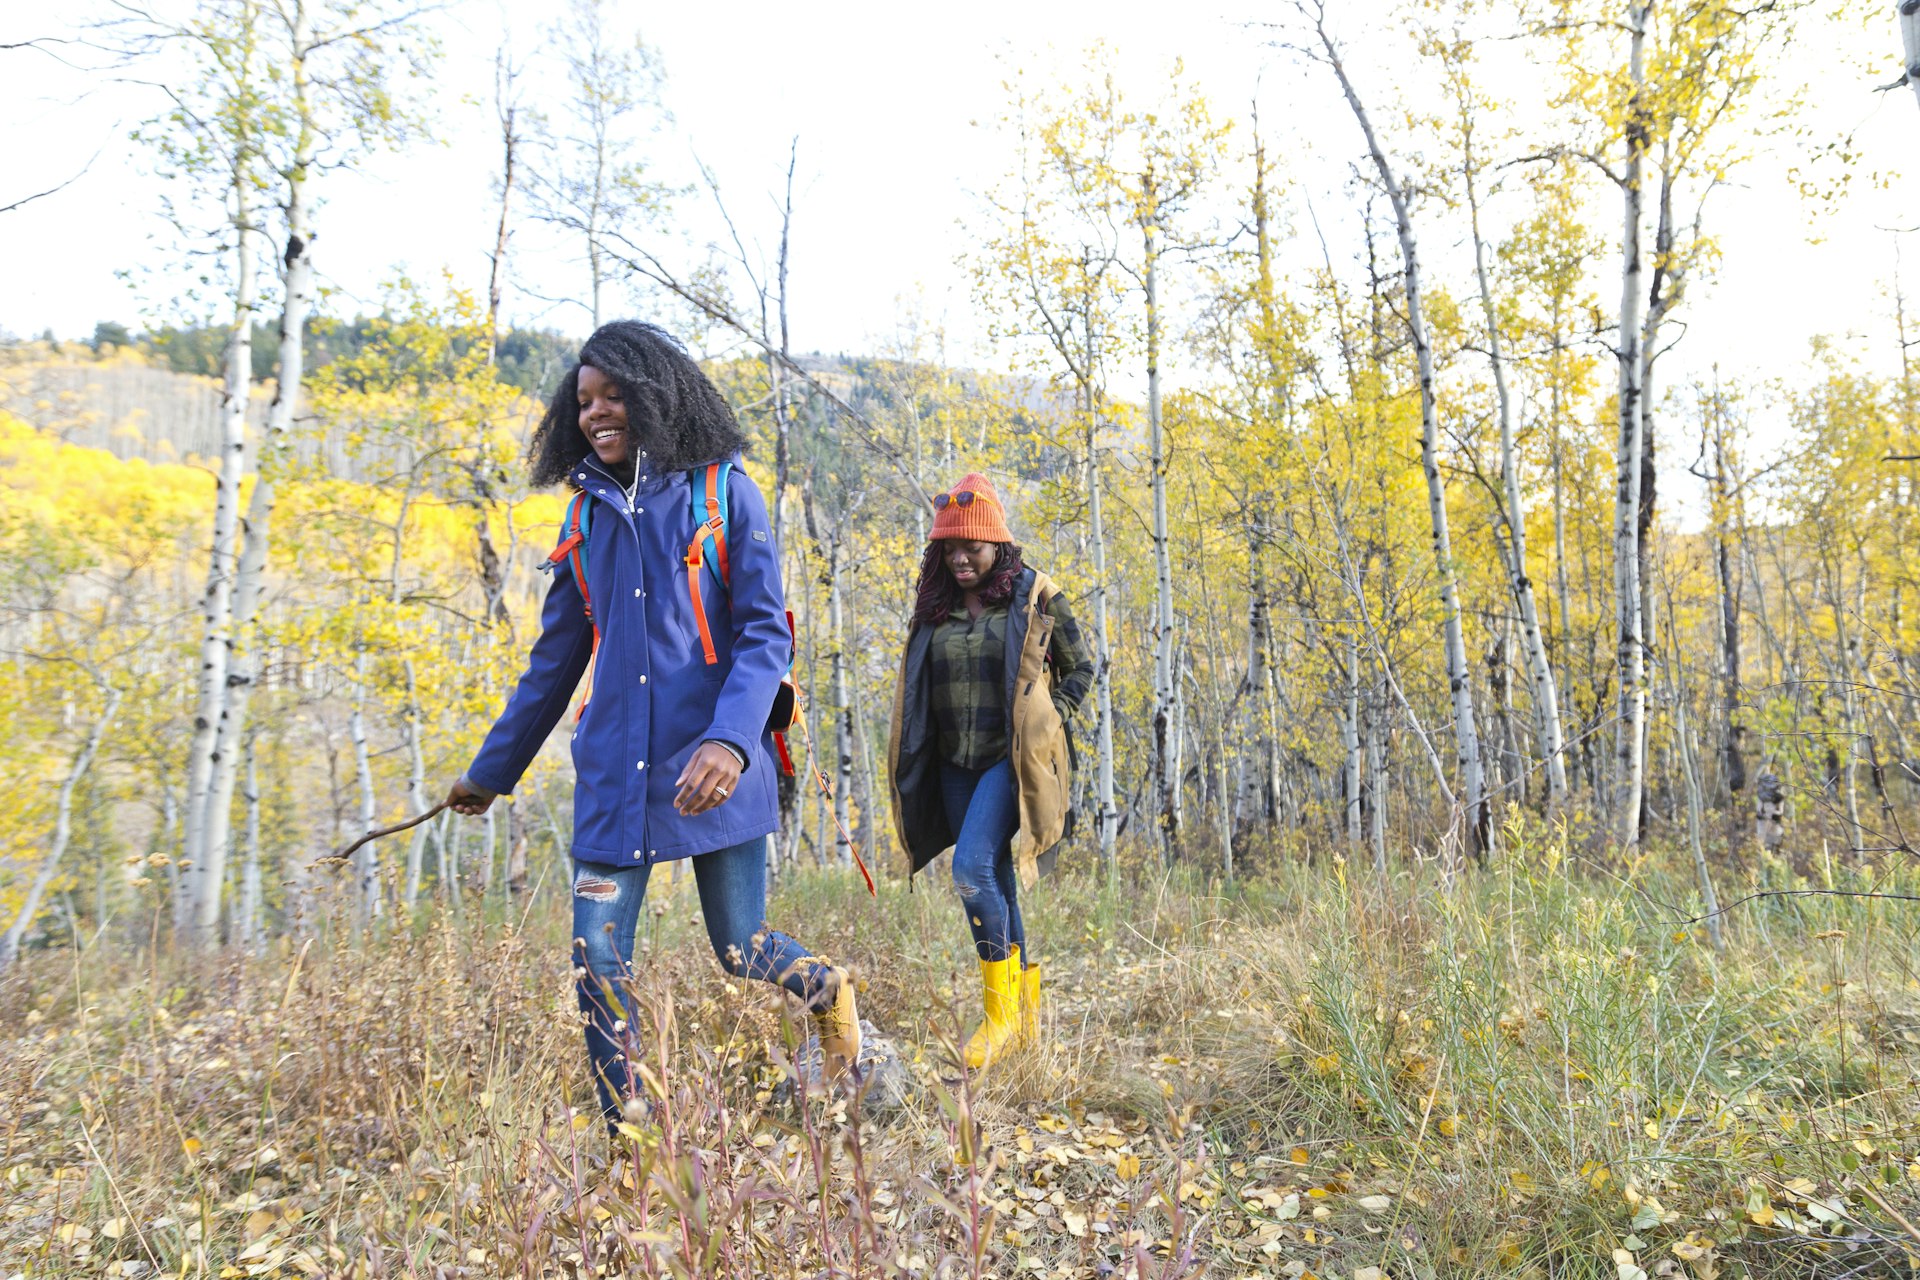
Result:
1534,1072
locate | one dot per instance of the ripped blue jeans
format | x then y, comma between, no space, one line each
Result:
983,812
606,911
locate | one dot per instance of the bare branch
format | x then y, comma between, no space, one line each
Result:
53,190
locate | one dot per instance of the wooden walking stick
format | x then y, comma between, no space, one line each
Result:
339,856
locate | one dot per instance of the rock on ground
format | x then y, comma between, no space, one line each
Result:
884,1078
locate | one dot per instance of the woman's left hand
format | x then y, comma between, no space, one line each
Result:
707,781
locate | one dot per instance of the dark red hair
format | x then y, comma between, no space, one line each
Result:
938,595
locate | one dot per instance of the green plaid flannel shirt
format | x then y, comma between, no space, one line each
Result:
969,680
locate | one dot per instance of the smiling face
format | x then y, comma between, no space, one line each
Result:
970,562
603,417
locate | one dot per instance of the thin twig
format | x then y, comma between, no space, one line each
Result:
1807,893
340,855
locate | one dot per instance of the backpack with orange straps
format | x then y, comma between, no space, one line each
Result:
707,552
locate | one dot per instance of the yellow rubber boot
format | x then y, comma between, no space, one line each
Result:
1030,1003
839,1027
1000,982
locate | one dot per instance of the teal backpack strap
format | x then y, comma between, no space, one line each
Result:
708,489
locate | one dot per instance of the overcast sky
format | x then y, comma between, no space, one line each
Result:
894,109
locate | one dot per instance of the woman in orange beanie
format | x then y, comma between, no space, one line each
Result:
979,756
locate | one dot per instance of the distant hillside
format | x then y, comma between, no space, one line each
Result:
133,408
124,405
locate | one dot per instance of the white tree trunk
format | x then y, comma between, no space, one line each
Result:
416,791
489,853
1106,821
1224,815
1630,655
251,932
1473,793
506,108
243,670
1377,778
446,847
1355,749
1254,747
1562,583
1696,821
1546,695
366,860
216,611
62,830
1166,737
1908,13
842,705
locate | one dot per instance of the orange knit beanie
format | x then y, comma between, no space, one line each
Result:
981,519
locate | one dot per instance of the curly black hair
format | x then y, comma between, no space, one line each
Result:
673,411
937,597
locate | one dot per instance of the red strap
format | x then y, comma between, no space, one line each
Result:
786,757
826,790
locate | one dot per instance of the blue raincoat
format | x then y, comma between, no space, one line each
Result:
654,698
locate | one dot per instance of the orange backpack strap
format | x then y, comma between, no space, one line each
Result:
572,551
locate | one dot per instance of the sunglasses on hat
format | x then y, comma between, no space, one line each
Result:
964,498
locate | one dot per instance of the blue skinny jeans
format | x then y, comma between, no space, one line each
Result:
983,811
606,910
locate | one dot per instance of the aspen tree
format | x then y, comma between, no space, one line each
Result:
217,134
1049,267
1141,167
586,184
250,931
506,111
1629,773
1721,497
76,772
1686,80
1466,735
341,99
1455,56
1168,155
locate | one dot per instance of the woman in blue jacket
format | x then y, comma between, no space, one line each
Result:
671,751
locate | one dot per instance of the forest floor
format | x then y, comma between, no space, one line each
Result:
1537,1070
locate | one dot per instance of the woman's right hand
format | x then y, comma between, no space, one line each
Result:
465,797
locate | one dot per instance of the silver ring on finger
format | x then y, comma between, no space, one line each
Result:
722,792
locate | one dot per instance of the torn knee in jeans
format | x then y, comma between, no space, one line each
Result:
595,888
